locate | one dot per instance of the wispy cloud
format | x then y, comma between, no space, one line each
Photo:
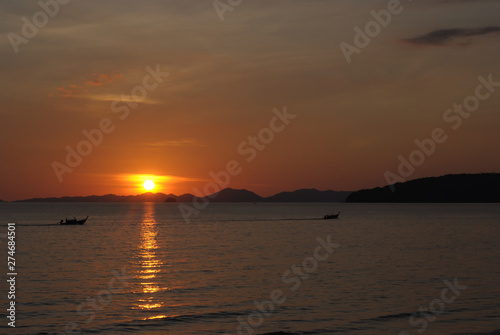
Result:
102,78
76,91
443,36
69,91
123,98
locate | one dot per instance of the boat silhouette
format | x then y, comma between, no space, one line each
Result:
331,216
73,221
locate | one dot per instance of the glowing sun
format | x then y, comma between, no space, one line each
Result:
149,185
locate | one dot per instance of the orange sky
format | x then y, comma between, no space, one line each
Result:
224,80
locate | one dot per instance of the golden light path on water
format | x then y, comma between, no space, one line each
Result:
150,264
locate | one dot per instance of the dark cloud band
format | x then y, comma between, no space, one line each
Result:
440,37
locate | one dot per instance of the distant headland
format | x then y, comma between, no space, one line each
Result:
453,188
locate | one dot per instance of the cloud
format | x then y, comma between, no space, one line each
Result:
443,36
102,78
71,91
74,91
121,98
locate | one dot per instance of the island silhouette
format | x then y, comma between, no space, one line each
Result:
459,188
453,188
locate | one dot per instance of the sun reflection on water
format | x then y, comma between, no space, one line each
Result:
150,265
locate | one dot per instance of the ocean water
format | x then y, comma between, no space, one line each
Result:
254,269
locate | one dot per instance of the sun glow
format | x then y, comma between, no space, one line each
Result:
136,183
149,185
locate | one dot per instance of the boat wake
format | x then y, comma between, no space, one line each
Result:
34,224
270,219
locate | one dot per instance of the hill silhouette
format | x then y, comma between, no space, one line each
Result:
232,195
458,188
225,195
309,195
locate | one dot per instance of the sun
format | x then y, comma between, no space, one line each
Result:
149,185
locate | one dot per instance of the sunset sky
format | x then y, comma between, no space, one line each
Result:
353,120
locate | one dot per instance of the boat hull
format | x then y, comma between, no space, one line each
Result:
73,222
331,217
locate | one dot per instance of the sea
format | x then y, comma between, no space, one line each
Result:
250,268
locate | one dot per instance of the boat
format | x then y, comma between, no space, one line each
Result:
331,216
73,221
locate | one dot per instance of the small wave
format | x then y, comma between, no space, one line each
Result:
269,219
391,316
180,318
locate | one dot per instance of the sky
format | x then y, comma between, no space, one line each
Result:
179,86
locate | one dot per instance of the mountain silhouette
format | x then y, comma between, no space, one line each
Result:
232,195
225,195
459,188
309,195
